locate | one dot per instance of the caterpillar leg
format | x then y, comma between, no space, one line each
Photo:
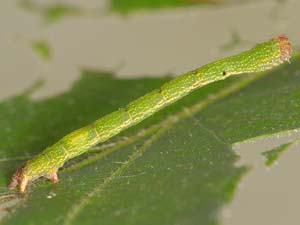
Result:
53,177
19,179
22,178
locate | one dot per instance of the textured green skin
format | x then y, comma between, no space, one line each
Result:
261,57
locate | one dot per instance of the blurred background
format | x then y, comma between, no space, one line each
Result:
53,41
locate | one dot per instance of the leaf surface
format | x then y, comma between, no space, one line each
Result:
176,167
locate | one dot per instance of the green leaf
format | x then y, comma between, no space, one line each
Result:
273,154
42,49
57,12
125,6
51,13
177,167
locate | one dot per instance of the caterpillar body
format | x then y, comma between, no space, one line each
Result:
260,58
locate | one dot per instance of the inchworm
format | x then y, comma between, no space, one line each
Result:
260,58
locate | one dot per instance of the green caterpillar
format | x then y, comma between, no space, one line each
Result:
260,58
